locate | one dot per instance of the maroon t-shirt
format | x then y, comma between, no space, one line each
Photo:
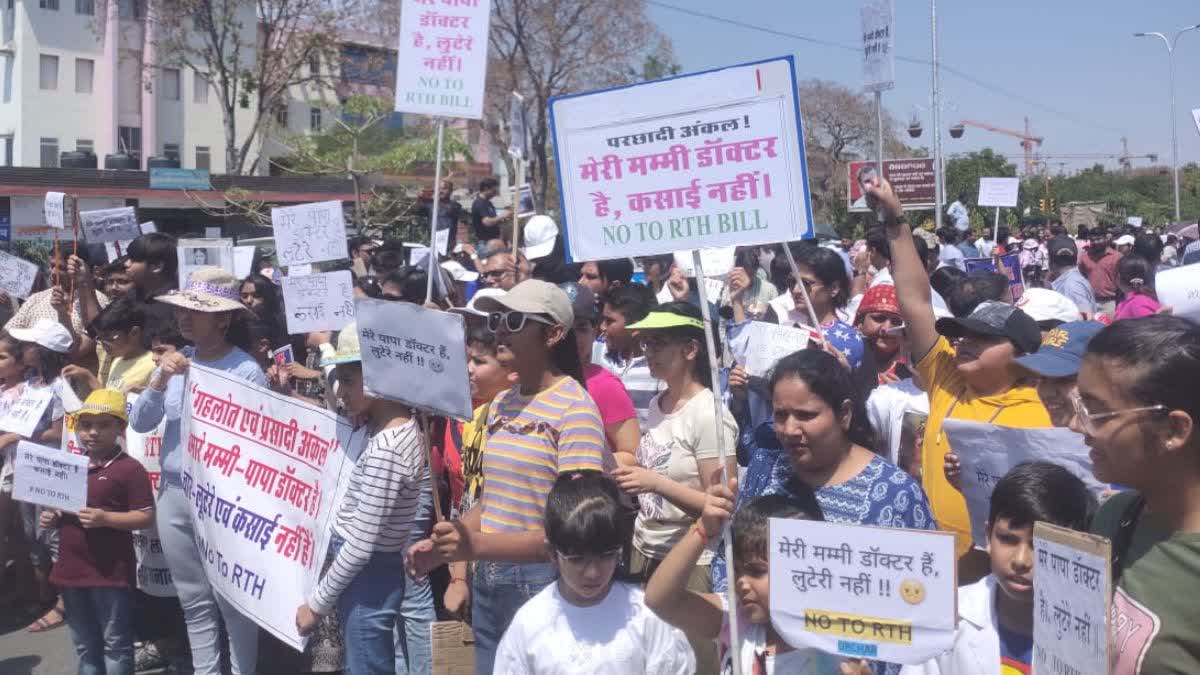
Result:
103,556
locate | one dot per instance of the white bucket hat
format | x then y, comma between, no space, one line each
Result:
209,289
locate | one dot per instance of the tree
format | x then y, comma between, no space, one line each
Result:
963,174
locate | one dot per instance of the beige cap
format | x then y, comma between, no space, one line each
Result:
532,297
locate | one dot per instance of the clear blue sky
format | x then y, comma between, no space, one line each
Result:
1090,79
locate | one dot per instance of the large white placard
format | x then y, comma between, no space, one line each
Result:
1179,289
864,592
260,472
22,416
998,192
195,253
243,261
878,45
153,574
986,452
16,275
717,262
416,355
109,225
55,209
318,302
309,233
1072,584
50,477
769,342
706,160
442,60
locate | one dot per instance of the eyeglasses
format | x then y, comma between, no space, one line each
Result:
497,274
605,558
1090,421
513,322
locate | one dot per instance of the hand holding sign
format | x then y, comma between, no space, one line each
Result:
50,477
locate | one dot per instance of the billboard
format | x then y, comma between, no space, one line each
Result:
912,179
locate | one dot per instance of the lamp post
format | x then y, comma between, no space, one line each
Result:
938,186
1170,44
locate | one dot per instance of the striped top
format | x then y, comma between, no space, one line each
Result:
635,374
378,509
530,441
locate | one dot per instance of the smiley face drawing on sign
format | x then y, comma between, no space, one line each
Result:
912,591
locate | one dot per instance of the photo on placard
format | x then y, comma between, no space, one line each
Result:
195,253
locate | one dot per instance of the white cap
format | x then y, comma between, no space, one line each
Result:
459,273
540,233
45,332
1124,240
1013,241
470,309
1043,304
1029,244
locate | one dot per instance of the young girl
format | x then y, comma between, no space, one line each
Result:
12,378
1135,278
824,276
586,621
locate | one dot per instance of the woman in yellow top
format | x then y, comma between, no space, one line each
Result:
968,367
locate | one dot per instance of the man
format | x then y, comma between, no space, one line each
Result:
1100,268
484,219
40,306
950,254
865,176
388,258
604,276
1066,278
958,213
1125,244
360,249
968,250
984,244
450,212
500,271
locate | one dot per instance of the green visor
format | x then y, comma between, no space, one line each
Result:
656,320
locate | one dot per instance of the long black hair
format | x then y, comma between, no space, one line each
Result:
272,307
751,522
825,377
700,369
830,269
583,514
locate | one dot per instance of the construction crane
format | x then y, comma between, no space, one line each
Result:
1028,140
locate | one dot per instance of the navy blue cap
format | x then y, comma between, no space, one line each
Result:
1062,349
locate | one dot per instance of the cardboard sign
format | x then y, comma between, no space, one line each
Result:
1134,221
301,270
318,302
879,45
116,249
309,233
863,592
1072,584
1012,268
414,355
1179,289
911,179
987,452
23,416
517,129
442,60
148,227
55,210
705,160
109,225
195,253
1196,118
50,477
16,275
152,574
769,342
998,192
243,261
717,262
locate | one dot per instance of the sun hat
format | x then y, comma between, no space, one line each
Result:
1062,349
532,296
583,301
209,289
1043,304
1029,244
45,332
471,309
459,273
659,320
996,319
540,233
347,350
105,402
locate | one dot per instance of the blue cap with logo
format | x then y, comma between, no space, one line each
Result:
1062,349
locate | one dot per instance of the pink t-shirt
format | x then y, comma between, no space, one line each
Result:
609,394
1136,306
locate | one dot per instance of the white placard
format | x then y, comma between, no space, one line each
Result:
416,355
260,473
148,227
301,270
865,592
116,249
1134,221
987,452
16,275
50,477
1196,118
195,253
109,225
318,302
998,192
243,261
878,45
55,210
1179,289
716,262
1072,583
517,131
442,60
706,160
769,342
309,233
23,416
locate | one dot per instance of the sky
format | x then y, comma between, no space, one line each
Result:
1073,67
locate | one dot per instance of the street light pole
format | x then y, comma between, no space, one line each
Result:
1171,44
938,187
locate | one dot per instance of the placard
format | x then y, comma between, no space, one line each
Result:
912,180
878,45
16,275
766,343
1179,289
1196,118
717,262
987,452
55,210
879,593
1012,269
517,129
243,261
442,60
152,574
195,253
704,160
109,225
318,302
1072,584
415,355
23,416
148,227
301,270
50,477
1134,221
116,249
1000,192
309,233
260,472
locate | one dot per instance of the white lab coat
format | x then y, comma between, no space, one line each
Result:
976,649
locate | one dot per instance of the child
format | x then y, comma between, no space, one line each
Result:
586,622
95,566
995,614
1135,279
165,338
120,329
12,378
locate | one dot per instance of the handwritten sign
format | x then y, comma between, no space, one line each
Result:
55,210
1072,584
1012,269
700,161
309,233
23,416
318,301
243,261
415,355
878,45
110,225
50,477
1179,289
987,452
260,473
769,342
443,57
998,192
16,275
195,253
153,574
864,592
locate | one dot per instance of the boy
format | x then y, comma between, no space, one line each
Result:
620,353
995,614
95,566
165,338
119,328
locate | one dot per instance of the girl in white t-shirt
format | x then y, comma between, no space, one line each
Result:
586,622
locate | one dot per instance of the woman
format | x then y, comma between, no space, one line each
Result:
544,426
1138,411
261,297
879,322
678,457
205,309
823,275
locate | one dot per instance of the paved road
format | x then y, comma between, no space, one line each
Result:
24,653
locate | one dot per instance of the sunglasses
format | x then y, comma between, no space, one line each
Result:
513,322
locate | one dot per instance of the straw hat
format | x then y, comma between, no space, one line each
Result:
209,289
348,350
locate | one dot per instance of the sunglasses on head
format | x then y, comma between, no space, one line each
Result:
513,322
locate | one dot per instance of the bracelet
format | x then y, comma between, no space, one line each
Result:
700,531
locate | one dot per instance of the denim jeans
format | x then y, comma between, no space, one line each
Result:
101,624
370,613
414,654
499,589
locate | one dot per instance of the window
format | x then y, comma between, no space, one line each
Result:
473,130
203,158
85,145
8,150
170,84
314,63
199,88
129,141
84,69
281,115
87,7
128,9
314,119
49,153
171,151
48,72
48,4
